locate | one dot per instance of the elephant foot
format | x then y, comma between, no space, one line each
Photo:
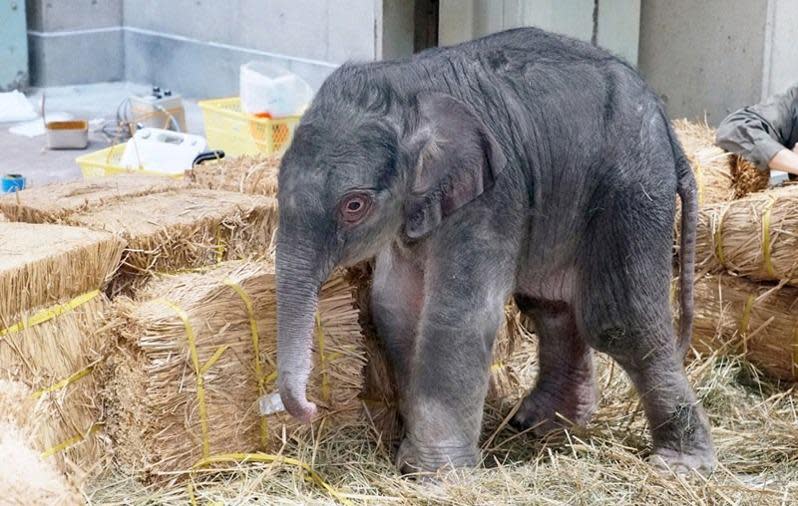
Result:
550,408
669,461
414,459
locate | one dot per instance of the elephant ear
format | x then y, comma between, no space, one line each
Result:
457,159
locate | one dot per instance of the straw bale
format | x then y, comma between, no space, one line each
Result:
178,230
25,477
256,174
54,202
756,236
154,412
3,218
758,321
43,264
711,164
746,177
55,359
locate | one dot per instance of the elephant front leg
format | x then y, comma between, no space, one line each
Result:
396,300
450,371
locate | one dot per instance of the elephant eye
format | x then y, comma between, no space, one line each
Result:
354,207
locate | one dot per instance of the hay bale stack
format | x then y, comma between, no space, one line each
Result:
53,203
758,321
246,174
164,415
719,175
44,264
756,236
25,477
177,230
52,321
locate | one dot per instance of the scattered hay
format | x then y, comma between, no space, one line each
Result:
246,174
178,230
53,203
41,265
756,236
156,419
760,322
755,429
3,218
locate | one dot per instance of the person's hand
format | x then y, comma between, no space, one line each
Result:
795,148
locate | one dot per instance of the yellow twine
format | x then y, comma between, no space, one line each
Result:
497,367
325,381
64,383
719,237
199,371
766,260
220,247
795,352
275,459
69,443
699,177
745,320
50,313
253,329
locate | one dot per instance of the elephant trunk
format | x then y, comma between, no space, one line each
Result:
298,286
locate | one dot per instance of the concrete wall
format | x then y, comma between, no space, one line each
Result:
616,24
75,41
704,57
180,44
781,47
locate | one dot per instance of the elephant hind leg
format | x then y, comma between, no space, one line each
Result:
565,392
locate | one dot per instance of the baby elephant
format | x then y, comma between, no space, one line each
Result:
522,164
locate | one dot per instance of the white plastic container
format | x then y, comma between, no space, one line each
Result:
163,151
267,88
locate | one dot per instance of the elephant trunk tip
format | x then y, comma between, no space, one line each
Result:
297,404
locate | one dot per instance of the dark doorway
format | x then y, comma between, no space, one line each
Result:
425,17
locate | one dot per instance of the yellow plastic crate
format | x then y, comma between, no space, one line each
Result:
237,133
105,162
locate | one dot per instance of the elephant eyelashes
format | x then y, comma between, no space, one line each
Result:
354,207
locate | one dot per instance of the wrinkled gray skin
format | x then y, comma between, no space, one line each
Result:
521,164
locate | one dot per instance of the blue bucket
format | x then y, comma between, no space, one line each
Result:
13,183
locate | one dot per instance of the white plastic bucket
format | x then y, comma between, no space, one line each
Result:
267,88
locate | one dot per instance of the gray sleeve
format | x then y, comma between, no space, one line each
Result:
760,131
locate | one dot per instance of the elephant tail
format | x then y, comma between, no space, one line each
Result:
688,193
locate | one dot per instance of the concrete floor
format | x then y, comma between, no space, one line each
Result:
29,156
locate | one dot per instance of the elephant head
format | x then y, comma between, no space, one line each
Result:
368,164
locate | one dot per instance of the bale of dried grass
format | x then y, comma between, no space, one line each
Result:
3,218
25,477
177,230
756,236
711,164
753,423
172,403
55,359
42,265
54,202
52,317
256,174
740,317
746,177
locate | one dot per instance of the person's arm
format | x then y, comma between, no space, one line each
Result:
761,132
786,160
